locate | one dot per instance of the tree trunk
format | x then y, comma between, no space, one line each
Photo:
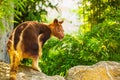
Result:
4,34
3,39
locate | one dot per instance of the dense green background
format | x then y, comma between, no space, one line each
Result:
98,37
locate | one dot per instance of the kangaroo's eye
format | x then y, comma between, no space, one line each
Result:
58,30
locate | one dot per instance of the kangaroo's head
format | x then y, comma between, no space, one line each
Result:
57,29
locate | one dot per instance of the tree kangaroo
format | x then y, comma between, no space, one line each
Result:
27,40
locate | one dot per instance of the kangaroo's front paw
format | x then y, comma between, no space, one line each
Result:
37,69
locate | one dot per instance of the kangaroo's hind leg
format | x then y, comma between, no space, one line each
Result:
35,63
14,58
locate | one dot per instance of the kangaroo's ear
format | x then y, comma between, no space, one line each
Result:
55,21
61,22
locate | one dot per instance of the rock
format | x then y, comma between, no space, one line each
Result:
25,73
4,71
105,70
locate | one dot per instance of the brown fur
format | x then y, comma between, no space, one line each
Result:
27,40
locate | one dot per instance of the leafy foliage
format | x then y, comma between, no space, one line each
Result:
4,9
97,40
99,44
32,10
7,11
79,50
